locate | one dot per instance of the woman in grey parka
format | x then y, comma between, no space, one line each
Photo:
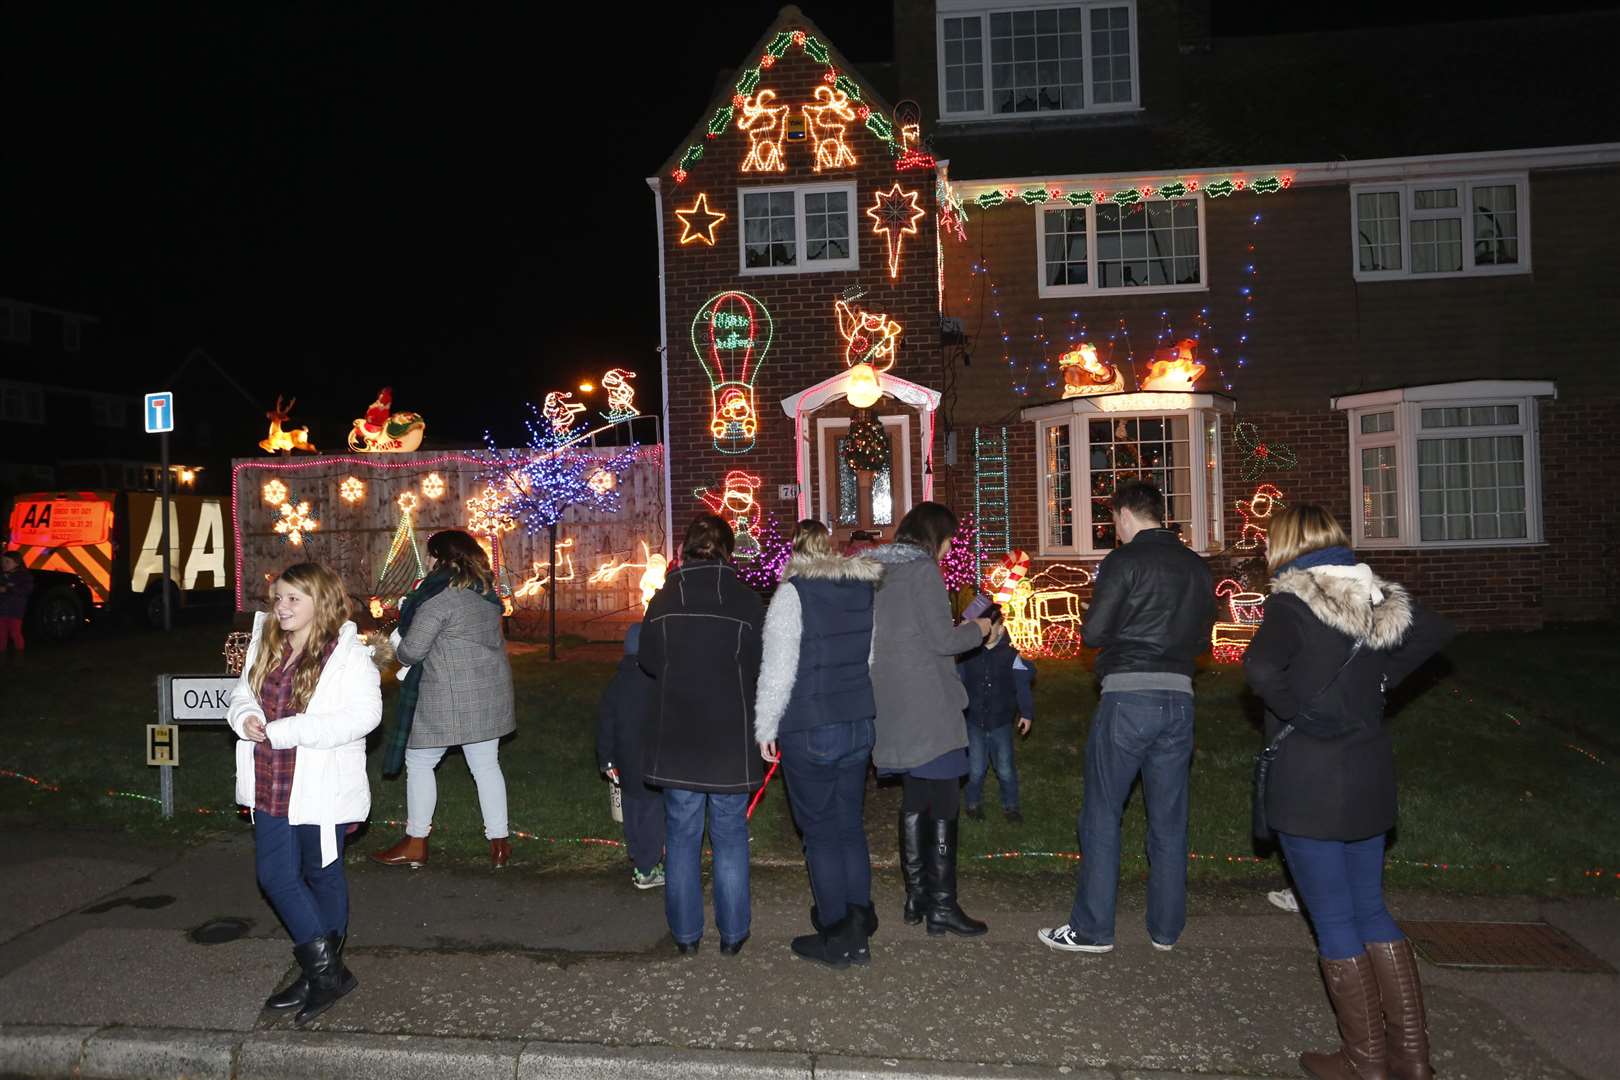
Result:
921,731
459,694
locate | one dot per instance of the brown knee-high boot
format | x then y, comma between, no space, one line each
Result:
1406,1025
1353,990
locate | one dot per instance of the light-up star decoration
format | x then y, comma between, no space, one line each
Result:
895,215
698,222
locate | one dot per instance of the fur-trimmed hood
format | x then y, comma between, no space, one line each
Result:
1352,600
832,568
895,554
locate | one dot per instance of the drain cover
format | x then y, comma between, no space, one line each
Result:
219,931
1502,946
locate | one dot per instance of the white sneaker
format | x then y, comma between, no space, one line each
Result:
1161,946
1285,899
1062,939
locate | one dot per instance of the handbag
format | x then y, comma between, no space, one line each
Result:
1258,824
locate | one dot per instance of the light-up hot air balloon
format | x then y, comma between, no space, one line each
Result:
731,334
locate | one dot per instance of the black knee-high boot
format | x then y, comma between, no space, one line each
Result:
939,858
913,825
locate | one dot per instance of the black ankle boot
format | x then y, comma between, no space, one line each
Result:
322,961
939,858
838,945
866,913
912,827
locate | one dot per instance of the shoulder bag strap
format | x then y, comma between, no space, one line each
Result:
1288,729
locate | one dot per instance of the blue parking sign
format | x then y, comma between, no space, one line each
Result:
160,412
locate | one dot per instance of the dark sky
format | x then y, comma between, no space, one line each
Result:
331,197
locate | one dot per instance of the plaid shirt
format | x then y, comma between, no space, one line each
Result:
272,768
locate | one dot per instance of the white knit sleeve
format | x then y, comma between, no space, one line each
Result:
779,666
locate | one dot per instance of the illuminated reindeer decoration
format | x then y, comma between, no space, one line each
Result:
831,153
285,440
766,125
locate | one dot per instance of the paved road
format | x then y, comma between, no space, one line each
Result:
518,974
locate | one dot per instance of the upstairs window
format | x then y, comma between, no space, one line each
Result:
1154,246
1017,60
788,230
1441,228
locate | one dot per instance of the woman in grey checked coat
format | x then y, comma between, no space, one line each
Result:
450,628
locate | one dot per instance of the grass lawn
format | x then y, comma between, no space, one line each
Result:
1508,775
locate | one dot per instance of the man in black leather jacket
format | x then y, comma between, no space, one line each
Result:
1151,611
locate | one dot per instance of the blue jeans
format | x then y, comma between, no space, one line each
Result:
684,812
1148,732
994,746
311,900
1341,886
825,768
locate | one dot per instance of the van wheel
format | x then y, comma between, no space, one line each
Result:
154,605
60,613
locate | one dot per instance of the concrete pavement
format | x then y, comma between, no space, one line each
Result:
119,961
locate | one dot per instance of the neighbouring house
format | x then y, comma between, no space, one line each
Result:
1074,243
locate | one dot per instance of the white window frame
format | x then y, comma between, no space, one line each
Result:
1091,287
957,9
802,265
1464,186
1408,405
1208,535
18,323
898,426
31,409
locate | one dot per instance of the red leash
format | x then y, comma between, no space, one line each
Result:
761,792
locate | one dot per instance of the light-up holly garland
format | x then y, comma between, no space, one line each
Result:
895,214
731,334
296,521
1180,188
767,123
735,502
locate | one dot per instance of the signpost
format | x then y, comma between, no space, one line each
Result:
160,421
183,699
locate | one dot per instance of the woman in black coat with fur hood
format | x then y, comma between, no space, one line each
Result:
1335,637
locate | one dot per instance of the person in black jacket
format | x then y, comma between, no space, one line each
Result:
815,714
627,707
701,640
1335,636
1151,611
1000,685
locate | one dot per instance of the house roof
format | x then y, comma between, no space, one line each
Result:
789,19
1348,95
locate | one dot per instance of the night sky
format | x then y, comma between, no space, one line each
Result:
333,197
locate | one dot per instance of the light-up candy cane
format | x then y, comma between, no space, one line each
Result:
731,334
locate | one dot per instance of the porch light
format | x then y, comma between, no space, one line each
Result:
862,387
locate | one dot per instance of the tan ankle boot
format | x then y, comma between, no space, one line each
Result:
1406,1024
500,851
1353,990
411,851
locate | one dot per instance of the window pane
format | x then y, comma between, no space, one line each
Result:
1378,503
1471,416
1477,494
1496,225
1111,55
1045,71
1065,251
1148,244
849,492
1436,245
1373,423
1434,198
964,65
1378,230
1156,448
1059,489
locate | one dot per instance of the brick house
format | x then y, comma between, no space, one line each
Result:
1258,271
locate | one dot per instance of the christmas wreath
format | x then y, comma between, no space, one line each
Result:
866,449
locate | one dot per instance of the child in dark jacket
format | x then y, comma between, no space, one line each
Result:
627,705
1000,686
16,582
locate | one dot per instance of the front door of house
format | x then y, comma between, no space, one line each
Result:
853,501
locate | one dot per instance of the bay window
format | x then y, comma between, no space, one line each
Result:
1450,465
1088,446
